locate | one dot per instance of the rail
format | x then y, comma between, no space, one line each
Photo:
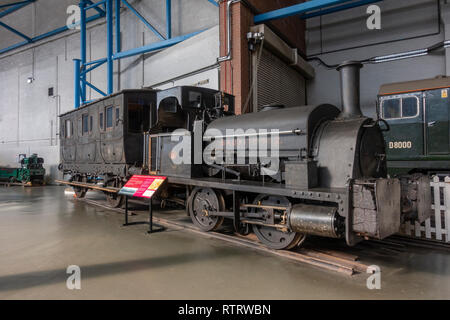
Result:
89,186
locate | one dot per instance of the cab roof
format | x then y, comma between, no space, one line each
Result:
414,86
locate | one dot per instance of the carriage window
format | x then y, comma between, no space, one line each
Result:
410,107
109,117
84,124
100,120
91,121
68,129
138,118
391,109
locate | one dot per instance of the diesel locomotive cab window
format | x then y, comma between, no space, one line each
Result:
138,118
391,109
409,107
402,107
109,117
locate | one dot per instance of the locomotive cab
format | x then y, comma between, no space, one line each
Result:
179,107
418,114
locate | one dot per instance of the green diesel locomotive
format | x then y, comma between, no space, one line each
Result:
31,170
418,114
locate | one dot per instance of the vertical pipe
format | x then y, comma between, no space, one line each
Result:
350,95
109,40
76,82
83,48
169,18
118,42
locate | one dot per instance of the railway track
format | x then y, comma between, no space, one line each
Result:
328,259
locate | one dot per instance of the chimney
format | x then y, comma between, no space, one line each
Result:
349,71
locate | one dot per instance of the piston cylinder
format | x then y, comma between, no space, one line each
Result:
316,220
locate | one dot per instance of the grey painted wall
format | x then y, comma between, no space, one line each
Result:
29,118
344,36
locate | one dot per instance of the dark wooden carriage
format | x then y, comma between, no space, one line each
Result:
104,138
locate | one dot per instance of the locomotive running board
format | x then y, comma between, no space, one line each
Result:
88,186
266,188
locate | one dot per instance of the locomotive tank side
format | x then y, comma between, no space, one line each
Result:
294,126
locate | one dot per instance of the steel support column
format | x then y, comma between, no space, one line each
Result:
169,18
109,45
83,47
118,40
77,71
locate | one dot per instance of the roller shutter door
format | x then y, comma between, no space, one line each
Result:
277,83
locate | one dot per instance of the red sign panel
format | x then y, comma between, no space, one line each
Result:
142,186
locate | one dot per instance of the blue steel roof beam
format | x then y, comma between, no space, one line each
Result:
158,34
14,46
13,4
296,9
95,88
4,25
154,46
214,2
337,8
95,6
62,29
95,66
16,7
102,60
46,35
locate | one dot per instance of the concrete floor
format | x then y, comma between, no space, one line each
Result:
42,231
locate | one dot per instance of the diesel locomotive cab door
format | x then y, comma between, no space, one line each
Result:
437,118
404,113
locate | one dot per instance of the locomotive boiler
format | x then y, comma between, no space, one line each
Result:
327,177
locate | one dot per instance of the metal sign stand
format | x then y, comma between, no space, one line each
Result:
150,220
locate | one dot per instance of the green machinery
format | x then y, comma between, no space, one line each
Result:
31,170
418,114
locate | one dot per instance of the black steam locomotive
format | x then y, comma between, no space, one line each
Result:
282,172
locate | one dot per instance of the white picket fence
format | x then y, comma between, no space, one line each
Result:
438,226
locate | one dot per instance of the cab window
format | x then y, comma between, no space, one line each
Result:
401,107
409,107
391,109
138,118
195,99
